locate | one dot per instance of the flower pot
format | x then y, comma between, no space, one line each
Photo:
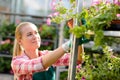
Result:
70,23
115,26
80,52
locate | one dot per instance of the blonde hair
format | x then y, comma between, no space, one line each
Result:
17,49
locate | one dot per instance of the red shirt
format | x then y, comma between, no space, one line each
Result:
23,67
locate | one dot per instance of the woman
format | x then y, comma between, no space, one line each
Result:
28,60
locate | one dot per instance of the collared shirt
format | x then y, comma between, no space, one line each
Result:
24,67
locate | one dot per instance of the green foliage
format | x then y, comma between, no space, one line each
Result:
47,32
5,64
6,48
72,1
7,32
63,75
100,66
48,35
7,29
65,13
66,32
97,18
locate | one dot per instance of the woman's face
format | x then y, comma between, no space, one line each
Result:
30,37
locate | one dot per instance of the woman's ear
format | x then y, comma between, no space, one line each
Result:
19,41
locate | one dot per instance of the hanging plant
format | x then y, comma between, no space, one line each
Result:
98,17
91,22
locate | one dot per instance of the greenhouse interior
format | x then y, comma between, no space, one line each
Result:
81,37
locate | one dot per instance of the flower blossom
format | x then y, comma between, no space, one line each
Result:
117,2
50,16
48,21
118,16
95,2
83,78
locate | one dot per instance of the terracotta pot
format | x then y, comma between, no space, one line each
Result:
70,23
115,26
115,22
80,51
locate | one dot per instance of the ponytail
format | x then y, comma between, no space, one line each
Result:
16,49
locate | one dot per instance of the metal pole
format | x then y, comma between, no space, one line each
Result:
74,51
60,43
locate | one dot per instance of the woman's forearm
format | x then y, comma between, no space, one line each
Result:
52,57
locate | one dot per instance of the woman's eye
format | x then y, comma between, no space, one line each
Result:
36,32
29,34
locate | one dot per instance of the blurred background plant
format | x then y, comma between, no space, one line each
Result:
98,66
7,33
48,35
47,32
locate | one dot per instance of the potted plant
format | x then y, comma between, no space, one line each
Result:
104,66
97,18
92,22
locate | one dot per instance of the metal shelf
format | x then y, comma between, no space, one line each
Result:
5,55
112,33
25,15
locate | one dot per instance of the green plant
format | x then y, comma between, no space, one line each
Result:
7,30
66,32
97,18
6,48
95,66
104,66
47,32
5,64
63,75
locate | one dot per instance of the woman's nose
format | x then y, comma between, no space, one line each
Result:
34,36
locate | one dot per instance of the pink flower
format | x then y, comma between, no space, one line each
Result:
7,41
107,1
112,56
50,15
78,66
118,15
18,21
53,4
56,14
95,2
83,78
116,2
48,21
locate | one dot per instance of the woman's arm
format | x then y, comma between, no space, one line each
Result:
52,57
56,54
20,65
64,60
